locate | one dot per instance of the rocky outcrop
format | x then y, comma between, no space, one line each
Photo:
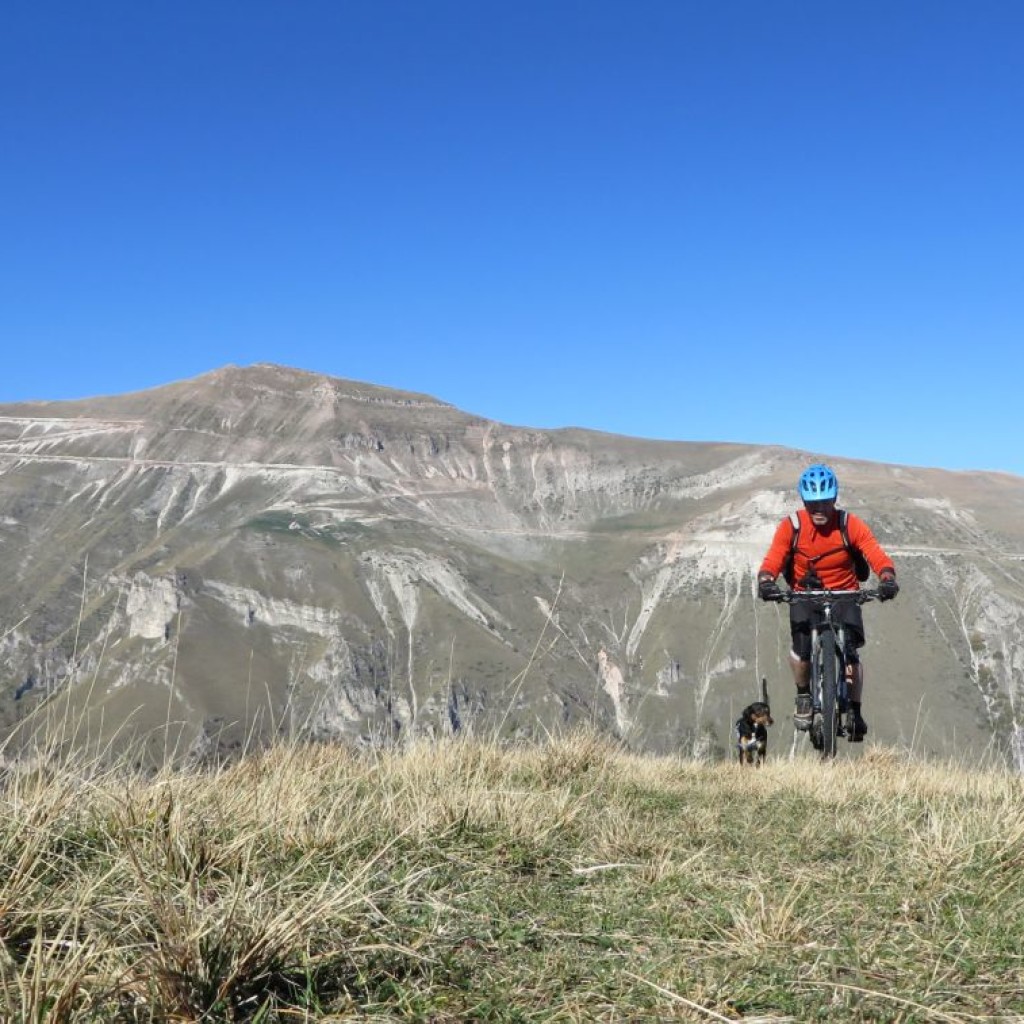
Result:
151,607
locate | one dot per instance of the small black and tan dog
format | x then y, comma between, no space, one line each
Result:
751,733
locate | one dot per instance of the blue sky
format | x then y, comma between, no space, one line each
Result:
766,221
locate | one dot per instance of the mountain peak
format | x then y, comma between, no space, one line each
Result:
299,384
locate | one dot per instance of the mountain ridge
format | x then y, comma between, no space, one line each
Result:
263,545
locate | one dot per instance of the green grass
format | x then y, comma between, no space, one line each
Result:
463,880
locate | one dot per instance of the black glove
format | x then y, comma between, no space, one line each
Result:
888,588
768,589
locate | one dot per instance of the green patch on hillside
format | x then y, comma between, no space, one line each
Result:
650,520
301,525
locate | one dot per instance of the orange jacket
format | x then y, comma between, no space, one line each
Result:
824,549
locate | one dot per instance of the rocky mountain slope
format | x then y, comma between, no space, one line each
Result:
263,550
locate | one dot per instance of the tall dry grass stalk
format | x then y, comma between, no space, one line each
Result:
467,880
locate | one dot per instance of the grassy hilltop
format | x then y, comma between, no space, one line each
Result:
466,881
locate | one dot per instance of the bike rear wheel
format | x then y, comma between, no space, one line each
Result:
829,710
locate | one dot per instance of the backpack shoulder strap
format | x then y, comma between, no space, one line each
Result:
794,521
845,533
787,568
860,564
842,530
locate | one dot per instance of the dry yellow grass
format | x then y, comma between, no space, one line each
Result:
467,880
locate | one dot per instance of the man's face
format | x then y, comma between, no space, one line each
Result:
821,512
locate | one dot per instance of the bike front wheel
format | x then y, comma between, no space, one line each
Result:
829,684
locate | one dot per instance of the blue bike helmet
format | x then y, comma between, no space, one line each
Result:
818,483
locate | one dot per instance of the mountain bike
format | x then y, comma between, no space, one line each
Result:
828,663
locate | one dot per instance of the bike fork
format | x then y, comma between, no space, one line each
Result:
842,681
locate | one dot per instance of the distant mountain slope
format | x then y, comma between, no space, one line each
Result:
264,549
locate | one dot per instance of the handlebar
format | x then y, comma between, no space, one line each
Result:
821,597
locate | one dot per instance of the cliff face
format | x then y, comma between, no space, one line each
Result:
262,550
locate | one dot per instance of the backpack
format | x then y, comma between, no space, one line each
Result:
860,563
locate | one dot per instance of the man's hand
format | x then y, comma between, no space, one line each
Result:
767,588
888,588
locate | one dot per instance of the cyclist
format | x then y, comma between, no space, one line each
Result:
824,559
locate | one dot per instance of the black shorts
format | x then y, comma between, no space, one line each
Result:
802,616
